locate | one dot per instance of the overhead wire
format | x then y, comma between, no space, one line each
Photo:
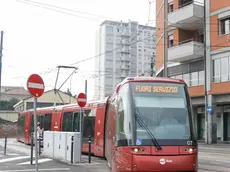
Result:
95,20
67,9
146,23
87,58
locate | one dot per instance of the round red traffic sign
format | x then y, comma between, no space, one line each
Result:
81,99
35,85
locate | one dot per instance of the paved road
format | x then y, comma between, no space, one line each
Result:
17,159
212,158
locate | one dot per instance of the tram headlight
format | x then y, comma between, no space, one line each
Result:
190,150
135,150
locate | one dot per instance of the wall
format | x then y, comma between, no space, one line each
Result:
9,115
159,33
8,124
218,41
216,5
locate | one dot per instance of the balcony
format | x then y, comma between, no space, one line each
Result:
123,74
125,66
185,51
125,50
188,16
125,32
125,42
125,58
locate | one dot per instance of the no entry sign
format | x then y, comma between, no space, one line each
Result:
81,99
35,85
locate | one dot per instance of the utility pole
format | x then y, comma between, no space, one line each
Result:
205,73
86,88
1,48
165,37
210,122
152,65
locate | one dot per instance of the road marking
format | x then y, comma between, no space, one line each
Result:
12,154
39,161
45,169
13,159
88,164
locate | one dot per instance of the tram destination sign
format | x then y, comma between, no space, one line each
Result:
156,89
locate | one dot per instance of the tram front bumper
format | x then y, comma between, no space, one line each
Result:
174,163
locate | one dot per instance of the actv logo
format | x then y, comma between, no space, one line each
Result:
163,161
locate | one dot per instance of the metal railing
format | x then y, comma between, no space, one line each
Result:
186,41
186,4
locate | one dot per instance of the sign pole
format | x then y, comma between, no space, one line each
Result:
81,132
35,134
36,87
81,99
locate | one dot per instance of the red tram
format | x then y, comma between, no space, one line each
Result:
146,125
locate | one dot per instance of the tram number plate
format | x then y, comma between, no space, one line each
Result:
189,143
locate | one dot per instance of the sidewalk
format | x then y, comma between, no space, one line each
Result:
14,145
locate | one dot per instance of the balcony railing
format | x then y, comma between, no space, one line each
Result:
187,4
186,50
188,16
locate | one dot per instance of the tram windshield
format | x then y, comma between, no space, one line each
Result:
165,110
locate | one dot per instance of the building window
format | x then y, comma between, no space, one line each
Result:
183,3
179,77
186,78
201,77
170,7
170,40
194,78
217,70
224,69
224,26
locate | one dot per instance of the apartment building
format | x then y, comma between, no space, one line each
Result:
185,43
125,49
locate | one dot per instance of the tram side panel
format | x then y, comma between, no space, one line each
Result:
28,127
56,121
21,127
99,134
110,131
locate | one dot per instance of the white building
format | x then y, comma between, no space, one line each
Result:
124,49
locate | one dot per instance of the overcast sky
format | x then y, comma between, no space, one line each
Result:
37,39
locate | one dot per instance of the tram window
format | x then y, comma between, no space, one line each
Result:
21,122
89,124
124,117
76,122
32,124
67,121
120,123
41,121
47,121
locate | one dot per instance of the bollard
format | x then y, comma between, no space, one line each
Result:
72,149
5,143
32,146
39,146
89,148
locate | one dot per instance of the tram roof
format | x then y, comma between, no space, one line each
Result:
153,79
